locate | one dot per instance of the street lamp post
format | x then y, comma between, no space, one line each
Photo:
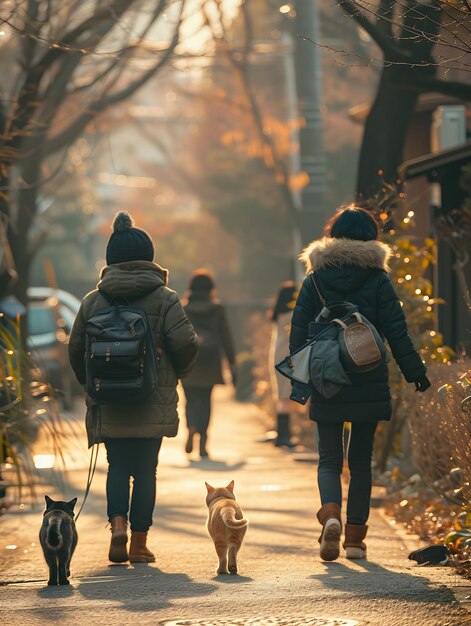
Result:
309,90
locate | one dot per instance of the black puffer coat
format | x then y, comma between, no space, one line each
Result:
356,271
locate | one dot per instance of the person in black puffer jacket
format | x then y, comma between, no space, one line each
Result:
350,264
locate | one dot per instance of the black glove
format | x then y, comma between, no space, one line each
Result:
431,555
423,384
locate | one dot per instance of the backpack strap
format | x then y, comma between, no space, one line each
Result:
327,309
321,298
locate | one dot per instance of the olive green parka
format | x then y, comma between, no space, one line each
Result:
142,284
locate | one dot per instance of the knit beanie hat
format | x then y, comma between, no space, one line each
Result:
201,281
128,243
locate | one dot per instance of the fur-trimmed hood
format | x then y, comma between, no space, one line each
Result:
331,252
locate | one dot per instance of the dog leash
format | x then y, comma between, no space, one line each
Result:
91,474
93,459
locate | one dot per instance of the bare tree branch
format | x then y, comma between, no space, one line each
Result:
240,62
385,17
45,84
78,126
387,45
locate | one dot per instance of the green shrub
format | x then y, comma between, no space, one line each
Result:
27,405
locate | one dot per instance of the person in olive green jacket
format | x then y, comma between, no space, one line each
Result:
133,434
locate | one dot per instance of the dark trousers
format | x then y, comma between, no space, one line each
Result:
360,453
198,408
137,458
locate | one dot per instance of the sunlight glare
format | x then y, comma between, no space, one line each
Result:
44,461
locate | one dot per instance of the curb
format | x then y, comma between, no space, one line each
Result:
461,592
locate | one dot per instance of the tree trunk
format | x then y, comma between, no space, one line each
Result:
19,232
385,134
5,276
409,62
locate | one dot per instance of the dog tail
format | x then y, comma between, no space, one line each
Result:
54,536
229,518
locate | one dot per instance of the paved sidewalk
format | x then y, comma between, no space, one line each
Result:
281,574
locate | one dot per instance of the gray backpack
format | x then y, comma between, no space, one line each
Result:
341,342
361,348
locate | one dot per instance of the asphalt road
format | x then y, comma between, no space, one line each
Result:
282,580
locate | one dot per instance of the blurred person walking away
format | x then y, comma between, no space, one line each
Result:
281,386
350,264
132,433
208,317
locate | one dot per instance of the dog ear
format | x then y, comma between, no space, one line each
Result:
208,487
230,486
72,504
49,501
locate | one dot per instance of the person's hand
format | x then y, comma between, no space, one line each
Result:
234,374
423,384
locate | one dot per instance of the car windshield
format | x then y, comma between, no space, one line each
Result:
41,320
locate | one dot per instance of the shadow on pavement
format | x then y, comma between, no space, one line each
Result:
212,465
187,519
56,591
270,548
282,529
291,512
374,581
141,588
232,580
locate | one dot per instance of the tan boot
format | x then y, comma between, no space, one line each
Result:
138,551
354,545
329,517
118,552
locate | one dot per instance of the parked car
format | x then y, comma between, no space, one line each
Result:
64,298
49,324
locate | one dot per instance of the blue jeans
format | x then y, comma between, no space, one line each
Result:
360,453
137,458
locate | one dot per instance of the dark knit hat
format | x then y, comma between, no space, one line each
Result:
201,281
128,243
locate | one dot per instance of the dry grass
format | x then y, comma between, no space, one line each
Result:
28,408
440,423
435,502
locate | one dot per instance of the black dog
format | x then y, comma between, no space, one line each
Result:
58,538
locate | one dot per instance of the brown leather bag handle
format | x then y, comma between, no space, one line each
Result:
340,323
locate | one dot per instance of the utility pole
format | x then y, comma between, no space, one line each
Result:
309,90
287,47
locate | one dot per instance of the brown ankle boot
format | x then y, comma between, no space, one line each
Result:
138,551
354,545
118,552
329,517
